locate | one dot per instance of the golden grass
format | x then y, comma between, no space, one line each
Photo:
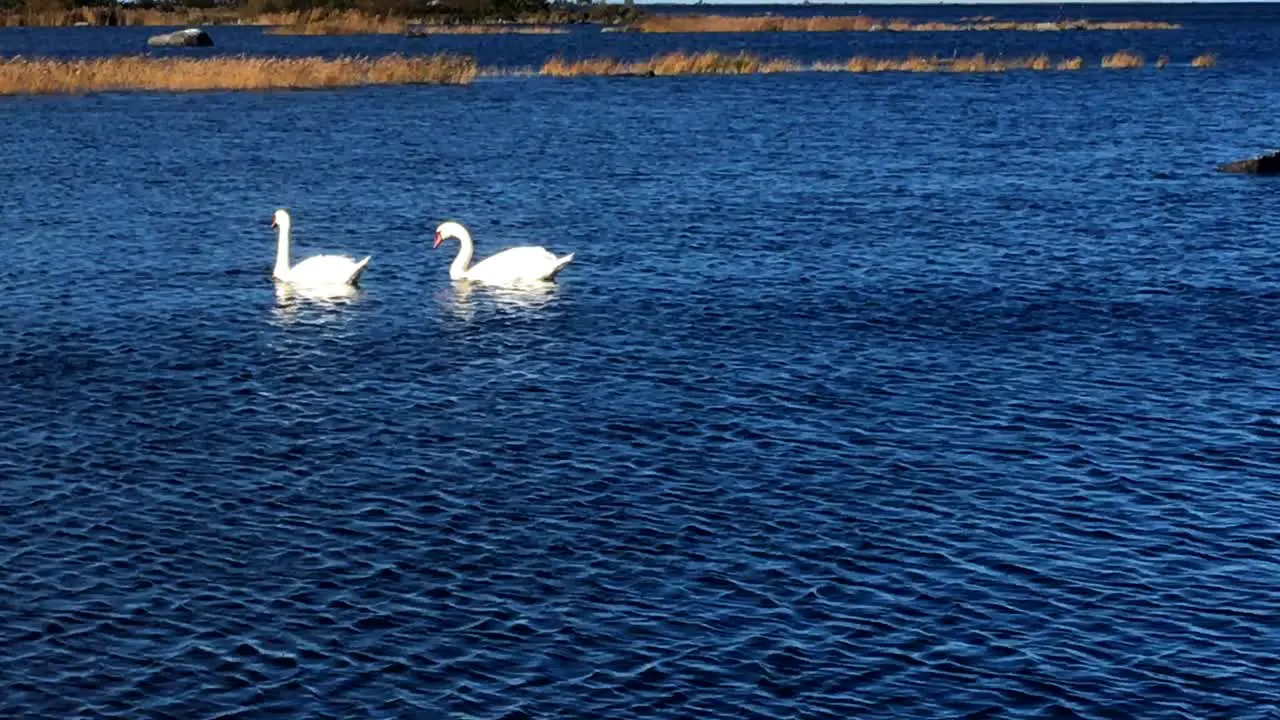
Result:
46,76
1123,60
713,63
99,16
487,30
43,77
1207,60
863,23
678,63
321,22
317,21
355,22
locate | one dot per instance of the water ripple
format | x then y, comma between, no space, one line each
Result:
974,420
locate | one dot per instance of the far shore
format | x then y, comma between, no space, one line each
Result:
613,17
864,23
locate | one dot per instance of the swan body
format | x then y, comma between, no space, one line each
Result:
510,267
318,270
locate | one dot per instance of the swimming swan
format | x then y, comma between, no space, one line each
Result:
315,270
511,266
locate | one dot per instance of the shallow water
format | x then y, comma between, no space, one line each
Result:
867,396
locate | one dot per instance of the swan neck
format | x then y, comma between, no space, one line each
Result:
282,251
458,270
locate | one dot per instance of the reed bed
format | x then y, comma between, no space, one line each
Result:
1123,60
20,76
316,21
354,22
863,23
106,16
1207,60
713,63
486,29
43,77
321,22
679,63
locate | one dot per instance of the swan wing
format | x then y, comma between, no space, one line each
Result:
516,264
328,269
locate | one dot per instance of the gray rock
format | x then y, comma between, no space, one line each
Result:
191,37
1261,165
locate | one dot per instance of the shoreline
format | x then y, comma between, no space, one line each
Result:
616,18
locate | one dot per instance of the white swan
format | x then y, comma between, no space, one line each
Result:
511,266
317,270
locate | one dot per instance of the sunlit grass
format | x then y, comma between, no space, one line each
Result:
116,16
40,77
863,23
714,63
480,29
320,22
679,63
1123,60
50,76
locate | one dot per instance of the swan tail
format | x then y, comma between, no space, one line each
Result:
560,263
359,270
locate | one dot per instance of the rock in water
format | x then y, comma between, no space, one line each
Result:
1261,165
191,37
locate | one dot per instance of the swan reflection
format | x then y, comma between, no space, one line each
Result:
292,299
467,296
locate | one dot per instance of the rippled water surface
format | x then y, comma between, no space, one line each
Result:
866,396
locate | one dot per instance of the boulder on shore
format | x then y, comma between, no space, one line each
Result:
191,37
1261,165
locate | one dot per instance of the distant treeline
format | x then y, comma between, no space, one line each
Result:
150,12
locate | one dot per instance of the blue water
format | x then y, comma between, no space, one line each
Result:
912,396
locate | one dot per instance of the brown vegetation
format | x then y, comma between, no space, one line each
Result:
39,77
369,16
1207,60
324,22
743,64
106,16
1122,60
863,23
354,22
20,76
679,63
486,29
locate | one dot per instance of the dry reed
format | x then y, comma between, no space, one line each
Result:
743,64
117,16
486,30
678,63
1123,60
863,23
321,22
48,76
1207,60
42,77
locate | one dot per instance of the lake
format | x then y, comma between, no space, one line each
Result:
866,395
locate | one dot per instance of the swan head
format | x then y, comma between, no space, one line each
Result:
447,230
281,218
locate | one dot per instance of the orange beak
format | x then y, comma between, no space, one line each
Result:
273,222
439,240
